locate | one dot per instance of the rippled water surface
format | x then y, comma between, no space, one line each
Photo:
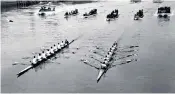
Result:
29,34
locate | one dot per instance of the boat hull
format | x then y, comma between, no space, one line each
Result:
100,74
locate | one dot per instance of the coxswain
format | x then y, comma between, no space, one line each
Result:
66,42
103,66
44,55
66,14
62,44
47,53
35,60
52,50
39,57
55,48
59,46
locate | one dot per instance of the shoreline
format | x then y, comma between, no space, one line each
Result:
8,5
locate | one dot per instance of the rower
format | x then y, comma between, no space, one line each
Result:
59,46
55,48
62,44
110,53
113,48
52,50
35,60
44,55
110,49
108,58
105,58
47,53
39,57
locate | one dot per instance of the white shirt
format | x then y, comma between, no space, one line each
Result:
55,48
110,53
62,44
106,62
34,61
113,48
43,55
59,47
39,58
108,57
48,53
52,51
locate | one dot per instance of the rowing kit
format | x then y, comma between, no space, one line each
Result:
33,65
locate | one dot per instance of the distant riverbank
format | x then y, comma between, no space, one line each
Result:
6,5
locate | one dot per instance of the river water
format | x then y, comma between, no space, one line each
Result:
66,73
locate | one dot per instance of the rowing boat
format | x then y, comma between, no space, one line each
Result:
110,19
66,16
43,60
103,71
86,16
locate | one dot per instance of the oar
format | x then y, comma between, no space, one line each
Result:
16,63
96,59
128,47
124,62
126,56
76,38
127,51
86,62
95,52
100,48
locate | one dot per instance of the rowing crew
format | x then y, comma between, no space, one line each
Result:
108,57
49,52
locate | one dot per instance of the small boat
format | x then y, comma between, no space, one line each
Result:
46,10
164,12
93,12
72,13
102,71
43,60
112,16
139,15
